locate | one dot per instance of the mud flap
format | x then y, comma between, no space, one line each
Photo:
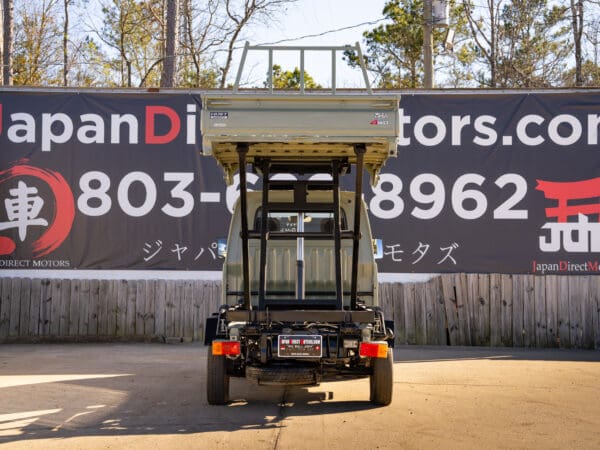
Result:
210,329
389,324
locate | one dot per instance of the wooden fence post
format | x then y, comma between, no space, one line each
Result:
399,313
552,301
541,336
496,310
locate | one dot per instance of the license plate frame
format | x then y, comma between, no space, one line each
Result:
300,346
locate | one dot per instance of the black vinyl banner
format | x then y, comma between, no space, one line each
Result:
483,182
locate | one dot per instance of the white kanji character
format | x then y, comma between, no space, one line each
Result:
22,209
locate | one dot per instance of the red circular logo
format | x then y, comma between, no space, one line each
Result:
64,211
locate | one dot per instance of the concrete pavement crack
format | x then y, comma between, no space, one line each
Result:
281,416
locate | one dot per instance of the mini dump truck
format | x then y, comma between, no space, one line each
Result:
300,302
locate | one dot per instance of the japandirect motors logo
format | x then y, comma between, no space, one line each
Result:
22,204
572,201
565,266
568,227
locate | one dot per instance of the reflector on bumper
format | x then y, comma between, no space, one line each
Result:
220,348
375,349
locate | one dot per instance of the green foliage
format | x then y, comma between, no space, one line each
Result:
518,43
394,49
206,78
590,72
36,60
498,43
133,31
93,70
291,79
533,44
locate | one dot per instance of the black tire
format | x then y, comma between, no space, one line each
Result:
382,380
217,380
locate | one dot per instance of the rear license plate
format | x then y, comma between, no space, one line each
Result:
300,346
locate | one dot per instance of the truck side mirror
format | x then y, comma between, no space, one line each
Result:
378,248
222,248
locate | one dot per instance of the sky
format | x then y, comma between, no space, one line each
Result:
302,18
309,17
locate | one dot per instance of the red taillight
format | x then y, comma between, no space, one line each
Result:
221,348
373,349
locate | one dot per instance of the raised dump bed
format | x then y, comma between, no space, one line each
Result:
309,127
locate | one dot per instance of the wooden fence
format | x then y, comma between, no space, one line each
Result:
496,310
44,309
454,309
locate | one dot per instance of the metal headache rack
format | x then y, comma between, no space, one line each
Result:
303,134
302,50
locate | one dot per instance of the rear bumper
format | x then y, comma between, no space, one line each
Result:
300,375
301,316
283,375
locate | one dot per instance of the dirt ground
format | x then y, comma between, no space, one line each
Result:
153,396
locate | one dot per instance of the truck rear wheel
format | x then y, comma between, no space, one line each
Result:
217,380
382,380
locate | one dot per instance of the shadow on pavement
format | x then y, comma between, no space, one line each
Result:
63,391
75,390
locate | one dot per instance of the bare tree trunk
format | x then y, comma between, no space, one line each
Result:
66,43
227,66
493,44
577,24
190,41
7,47
594,31
1,36
487,44
167,78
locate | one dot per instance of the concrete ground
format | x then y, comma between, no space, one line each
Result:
153,396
